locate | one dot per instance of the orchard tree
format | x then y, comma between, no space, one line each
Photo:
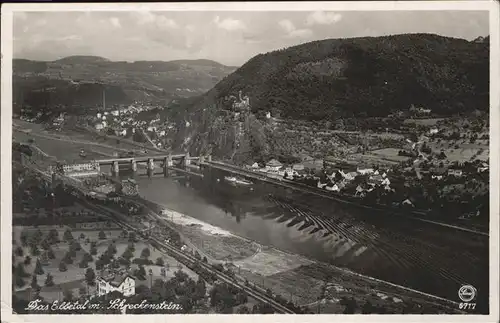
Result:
34,283
145,253
49,280
90,276
102,235
38,268
159,261
62,266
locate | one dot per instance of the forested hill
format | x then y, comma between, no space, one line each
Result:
368,76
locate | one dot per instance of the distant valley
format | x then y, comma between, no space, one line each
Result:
80,80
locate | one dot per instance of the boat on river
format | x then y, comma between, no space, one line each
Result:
237,181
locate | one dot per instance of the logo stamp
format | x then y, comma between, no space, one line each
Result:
467,293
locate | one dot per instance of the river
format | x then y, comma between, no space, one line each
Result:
428,258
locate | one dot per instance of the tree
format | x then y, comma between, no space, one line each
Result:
19,281
34,283
87,257
68,236
67,295
19,251
53,236
62,266
349,305
112,249
50,254
205,260
35,251
83,264
145,253
127,254
38,268
93,250
19,271
159,261
243,310
82,291
132,237
90,276
49,280
102,235
67,258
141,273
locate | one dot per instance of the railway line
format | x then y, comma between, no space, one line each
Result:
190,260
309,190
406,254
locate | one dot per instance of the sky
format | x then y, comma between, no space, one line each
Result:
230,38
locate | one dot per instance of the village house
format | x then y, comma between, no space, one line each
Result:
360,191
433,131
365,171
274,165
407,202
109,281
455,172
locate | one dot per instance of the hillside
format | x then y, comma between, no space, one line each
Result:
81,79
336,79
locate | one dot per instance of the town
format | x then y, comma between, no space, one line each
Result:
324,174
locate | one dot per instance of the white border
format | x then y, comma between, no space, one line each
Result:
6,135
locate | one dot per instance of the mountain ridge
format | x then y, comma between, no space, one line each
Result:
334,79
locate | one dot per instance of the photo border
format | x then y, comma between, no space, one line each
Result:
6,153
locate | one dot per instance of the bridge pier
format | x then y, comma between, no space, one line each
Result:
209,158
167,162
116,168
186,161
151,166
133,165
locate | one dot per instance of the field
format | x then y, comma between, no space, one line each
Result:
462,151
73,278
424,122
68,144
387,154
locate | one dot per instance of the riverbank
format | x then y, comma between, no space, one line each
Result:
293,276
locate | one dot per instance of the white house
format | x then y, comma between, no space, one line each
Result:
268,115
273,164
109,282
106,113
255,166
455,172
433,131
407,202
123,132
386,181
99,126
334,188
116,113
365,171
321,185
99,115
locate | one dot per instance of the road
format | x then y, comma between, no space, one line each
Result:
308,190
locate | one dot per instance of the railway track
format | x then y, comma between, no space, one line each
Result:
186,258
309,190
